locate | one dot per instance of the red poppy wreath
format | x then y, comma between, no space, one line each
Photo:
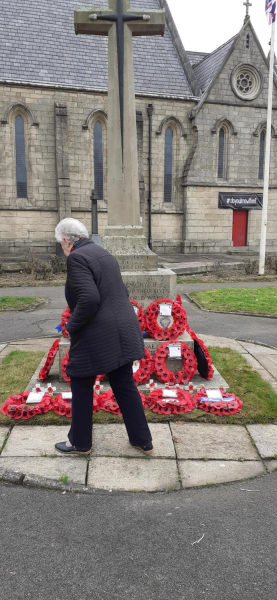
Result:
170,400
143,369
15,406
140,314
64,363
109,404
166,319
187,371
66,314
44,372
229,405
64,408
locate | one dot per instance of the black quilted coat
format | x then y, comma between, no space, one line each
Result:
103,328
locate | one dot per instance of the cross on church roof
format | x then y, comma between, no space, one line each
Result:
247,4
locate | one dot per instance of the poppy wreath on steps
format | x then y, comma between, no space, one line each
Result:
109,404
159,403
145,370
139,313
66,314
64,363
229,405
44,372
204,361
15,406
165,375
169,330
64,408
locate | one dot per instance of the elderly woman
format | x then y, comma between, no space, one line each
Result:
105,338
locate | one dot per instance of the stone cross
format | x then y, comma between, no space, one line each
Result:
247,4
120,25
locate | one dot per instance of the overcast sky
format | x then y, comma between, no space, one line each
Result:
206,24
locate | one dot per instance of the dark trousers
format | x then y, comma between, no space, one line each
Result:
129,401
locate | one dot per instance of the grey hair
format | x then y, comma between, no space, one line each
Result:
70,229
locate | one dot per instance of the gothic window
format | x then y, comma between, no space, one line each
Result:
98,160
262,154
222,153
168,165
20,158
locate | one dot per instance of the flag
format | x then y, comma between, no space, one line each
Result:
270,9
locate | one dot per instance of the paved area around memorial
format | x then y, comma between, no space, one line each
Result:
186,455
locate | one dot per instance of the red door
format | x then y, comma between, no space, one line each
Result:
240,227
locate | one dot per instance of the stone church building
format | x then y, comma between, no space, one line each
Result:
204,114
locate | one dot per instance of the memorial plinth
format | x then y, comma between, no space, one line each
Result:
173,364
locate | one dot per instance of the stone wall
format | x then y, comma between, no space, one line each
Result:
59,126
209,228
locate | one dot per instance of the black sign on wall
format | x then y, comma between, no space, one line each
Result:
240,201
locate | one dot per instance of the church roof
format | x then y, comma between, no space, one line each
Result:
196,57
38,45
207,69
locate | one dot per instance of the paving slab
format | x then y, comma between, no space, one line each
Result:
3,434
130,474
222,342
265,438
72,469
39,343
35,441
197,440
271,465
269,362
2,346
195,472
257,348
112,440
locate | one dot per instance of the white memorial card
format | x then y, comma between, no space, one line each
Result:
67,395
174,351
136,309
214,394
170,393
165,310
34,397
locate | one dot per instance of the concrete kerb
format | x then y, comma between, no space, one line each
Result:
227,312
47,484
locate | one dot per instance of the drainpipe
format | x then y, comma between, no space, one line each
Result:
150,110
94,237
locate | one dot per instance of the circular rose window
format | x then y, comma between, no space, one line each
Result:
246,82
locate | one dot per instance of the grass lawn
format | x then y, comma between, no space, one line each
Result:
16,370
251,300
12,302
259,399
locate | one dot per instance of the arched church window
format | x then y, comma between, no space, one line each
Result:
98,160
168,165
262,155
222,153
20,157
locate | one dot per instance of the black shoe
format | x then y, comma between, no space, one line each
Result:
148,449
64,449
